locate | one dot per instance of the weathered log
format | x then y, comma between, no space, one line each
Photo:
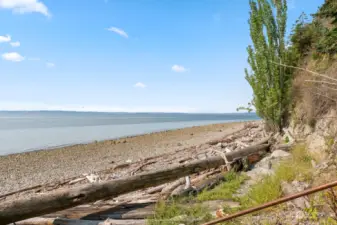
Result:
284,147
53,221
155,189
209,183
66,198
263,140
169,188
122,210
140,168
246,151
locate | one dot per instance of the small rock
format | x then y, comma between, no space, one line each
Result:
293,188
179,144
128,161
279,154
259,172
300,215
322,166
219,145
313,163
92,178
124,141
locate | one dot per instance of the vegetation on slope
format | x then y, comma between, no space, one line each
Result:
314,45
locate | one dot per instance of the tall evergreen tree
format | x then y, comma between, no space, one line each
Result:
269,81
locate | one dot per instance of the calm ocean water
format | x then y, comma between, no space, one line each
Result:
27,131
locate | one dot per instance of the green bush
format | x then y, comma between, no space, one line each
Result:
328,43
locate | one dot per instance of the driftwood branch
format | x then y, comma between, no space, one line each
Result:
321,82
306,70
67,198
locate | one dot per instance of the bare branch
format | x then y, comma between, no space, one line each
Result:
319,81
315,93
310,71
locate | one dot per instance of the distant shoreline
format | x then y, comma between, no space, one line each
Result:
34,131
131,112
51,148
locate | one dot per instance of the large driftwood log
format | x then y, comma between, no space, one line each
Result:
52,221
62,199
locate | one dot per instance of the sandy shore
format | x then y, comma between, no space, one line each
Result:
24,170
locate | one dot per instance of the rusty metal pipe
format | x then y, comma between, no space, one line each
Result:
275,202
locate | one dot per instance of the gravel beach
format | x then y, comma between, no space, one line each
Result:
28,169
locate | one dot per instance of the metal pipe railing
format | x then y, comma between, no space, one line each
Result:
275,202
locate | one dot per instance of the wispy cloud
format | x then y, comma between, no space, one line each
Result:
118,31
179,68
5,38
139,85
50,65
15,44
13,56
25,6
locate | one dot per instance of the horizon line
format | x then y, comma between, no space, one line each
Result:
88,111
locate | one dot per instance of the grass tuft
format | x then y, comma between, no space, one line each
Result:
225,190
298,167
176,213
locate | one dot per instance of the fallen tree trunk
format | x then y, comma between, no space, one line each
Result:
52,221
62,199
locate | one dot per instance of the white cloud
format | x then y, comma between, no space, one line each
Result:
118,31
179,69
5,38
15,44
25,6
139,85
13,56
50,65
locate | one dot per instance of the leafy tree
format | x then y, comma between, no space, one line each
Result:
270,82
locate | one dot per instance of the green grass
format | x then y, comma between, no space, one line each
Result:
225,190
183,207
176,213
298,167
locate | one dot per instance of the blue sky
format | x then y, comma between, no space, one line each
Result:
127,55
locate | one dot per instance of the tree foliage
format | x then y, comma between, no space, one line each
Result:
270,82
328,10
319,35
249,108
